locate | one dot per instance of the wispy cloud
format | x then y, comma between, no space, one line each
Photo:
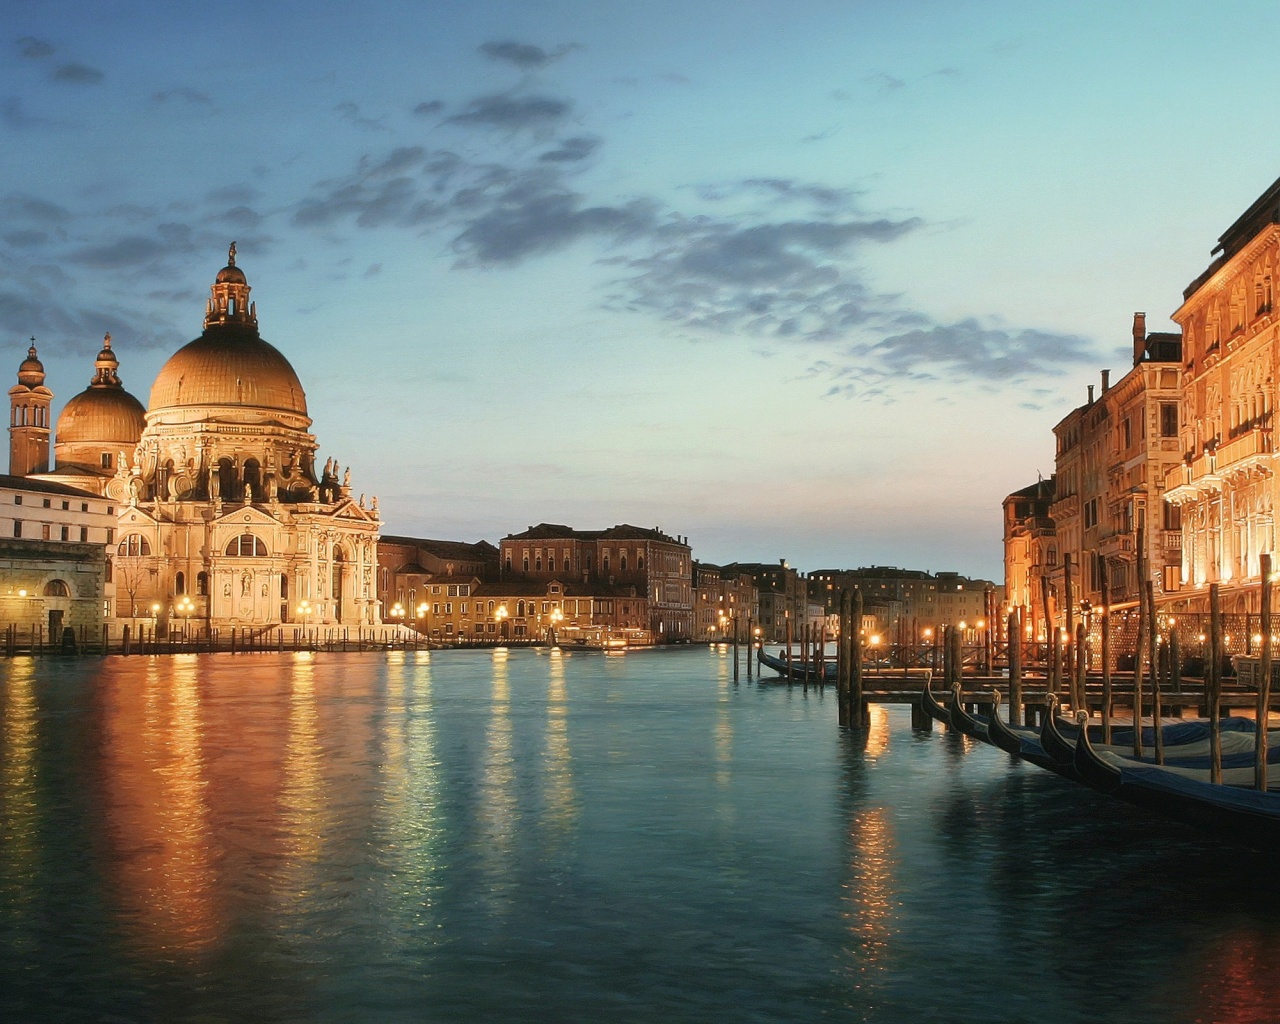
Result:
524,55
78,74
513,113
34,49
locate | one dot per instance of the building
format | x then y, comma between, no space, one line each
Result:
1113,454
910,604
647,571
53,541
414,572
1226,487
720,599
782,596
1030,549
224,516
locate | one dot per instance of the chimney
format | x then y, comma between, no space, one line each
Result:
1106,381
1091,394
1139,337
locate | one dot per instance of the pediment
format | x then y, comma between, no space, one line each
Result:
135,517
351,510
246,515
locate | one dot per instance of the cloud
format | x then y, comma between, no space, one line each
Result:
15,117
131,250
428,107
237,217
351,112
33,48
78,74
184,93
969,350
524,55
27,239
20,206
577,148
513,113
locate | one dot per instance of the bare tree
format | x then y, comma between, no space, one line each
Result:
133,573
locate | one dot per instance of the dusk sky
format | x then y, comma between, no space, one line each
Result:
806,280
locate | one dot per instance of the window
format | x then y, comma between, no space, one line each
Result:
448,607
44,531
1168,419
107,577
47,503
84,506
66,533
246,545
179,583
17,499
202,584
1127,434
84,535
1172,516
56,588
66,505
133,545
106,460
111,534
17,527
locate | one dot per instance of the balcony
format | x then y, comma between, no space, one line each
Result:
1118,545
1200,477
1250,451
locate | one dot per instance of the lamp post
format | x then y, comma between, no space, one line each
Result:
501,616
556,616
304,613
185,608
423,608
875,657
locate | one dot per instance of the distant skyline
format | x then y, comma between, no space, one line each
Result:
808,281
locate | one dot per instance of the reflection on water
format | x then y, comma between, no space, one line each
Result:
520,836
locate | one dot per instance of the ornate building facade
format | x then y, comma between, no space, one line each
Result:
225,517
1226,486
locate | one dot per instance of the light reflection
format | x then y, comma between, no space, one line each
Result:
871,898
161,860
561,800
302,786
724,725
19,810
877,730
498,808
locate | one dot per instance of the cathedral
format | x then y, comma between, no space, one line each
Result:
224,518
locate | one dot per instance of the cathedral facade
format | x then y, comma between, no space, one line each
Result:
225,518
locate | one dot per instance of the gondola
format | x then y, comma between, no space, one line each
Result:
963,722
799,672
1232,808
929,703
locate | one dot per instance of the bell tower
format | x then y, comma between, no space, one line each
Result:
29,418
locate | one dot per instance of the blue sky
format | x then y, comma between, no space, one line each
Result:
799,280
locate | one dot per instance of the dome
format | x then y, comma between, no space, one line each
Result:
228,365
107,415
231,274
31,372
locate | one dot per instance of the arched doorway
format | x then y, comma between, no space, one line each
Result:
339,582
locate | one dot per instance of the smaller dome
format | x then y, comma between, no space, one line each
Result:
31,372
231,274
108,415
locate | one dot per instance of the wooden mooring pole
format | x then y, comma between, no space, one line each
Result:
1213,685
1149,592
735,648
857,709
1106,660
751,646
842,663
1264,679
1015,667
1139,651
790,673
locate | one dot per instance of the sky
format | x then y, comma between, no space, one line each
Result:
799,280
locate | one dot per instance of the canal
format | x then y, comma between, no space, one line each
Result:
523,836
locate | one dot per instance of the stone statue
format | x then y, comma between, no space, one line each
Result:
346,478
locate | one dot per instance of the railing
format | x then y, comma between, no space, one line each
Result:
1255,442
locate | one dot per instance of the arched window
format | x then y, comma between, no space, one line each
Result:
284,587
338,559
133,545
639,563
622,562
519,608
56,588
246,545
179,583
202,584
252,480
604,562
108,577
526,563
566,561
537,562
226,480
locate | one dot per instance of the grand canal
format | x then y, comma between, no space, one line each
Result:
481,835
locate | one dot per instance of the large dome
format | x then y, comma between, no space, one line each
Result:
107,415
228,365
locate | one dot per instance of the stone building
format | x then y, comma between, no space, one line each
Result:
628,562
1030,550
225,517
1226,487
53,540
720,598
1112,456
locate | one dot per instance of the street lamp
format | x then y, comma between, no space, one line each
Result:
556,616
501,616
304,613
185,608
875,659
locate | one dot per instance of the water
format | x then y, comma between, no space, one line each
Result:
480,836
